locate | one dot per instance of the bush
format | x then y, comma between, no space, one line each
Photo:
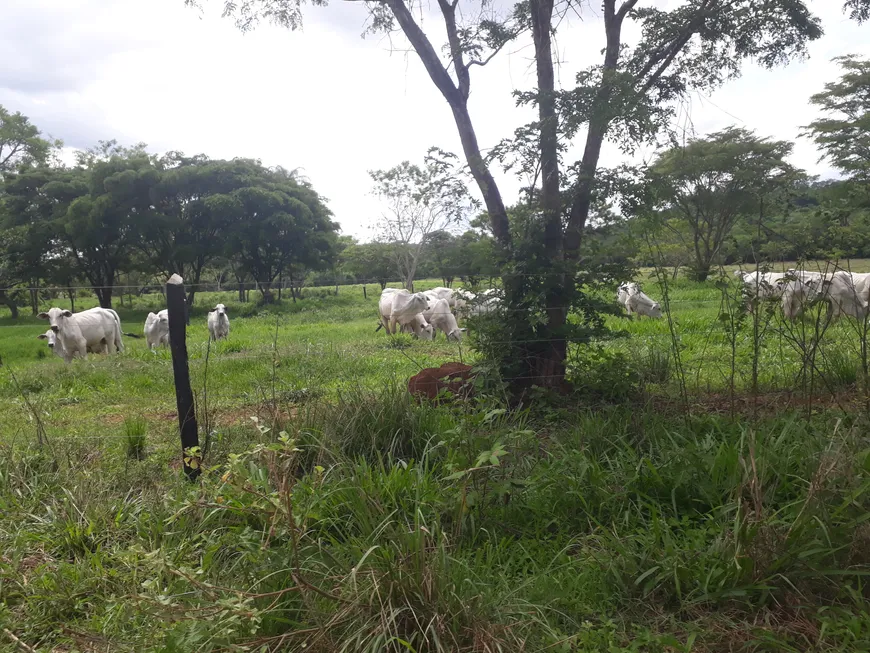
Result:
602,374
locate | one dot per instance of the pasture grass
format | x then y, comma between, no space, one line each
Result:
335,513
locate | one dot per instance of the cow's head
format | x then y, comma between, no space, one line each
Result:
655,310
456,334
50,336
55,317
220,309
427,332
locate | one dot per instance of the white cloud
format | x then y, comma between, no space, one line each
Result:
322,99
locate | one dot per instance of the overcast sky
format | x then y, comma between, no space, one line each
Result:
324,99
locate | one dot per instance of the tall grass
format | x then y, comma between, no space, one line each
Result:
375,524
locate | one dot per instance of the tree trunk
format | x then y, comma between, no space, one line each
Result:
10,304
549,354
266,291
34,297
104,296
241,292
72,299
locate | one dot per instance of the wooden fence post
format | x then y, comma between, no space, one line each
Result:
176,304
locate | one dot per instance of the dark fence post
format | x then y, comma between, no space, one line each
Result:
176,304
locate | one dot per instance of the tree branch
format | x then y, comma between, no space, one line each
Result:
448,9
440,77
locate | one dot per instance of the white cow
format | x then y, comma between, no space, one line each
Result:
399,307
218,323
635,300
486,302
796,296
848,294
56,347
759,285
440,317
157,329
77,331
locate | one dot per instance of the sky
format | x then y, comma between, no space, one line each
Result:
324,99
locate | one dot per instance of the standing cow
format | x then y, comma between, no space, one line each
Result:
218,323
76,332
399,307
440,316
157,329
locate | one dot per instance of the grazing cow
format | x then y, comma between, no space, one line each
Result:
464,302
848,294
419,327
440,316
218,323
77,331
57,348
486,302
796,295
635,300
399,307
761,286
157,329
455,298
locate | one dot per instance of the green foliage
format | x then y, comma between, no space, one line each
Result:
371,262
135,429
843,135
419,201
21,142
711,183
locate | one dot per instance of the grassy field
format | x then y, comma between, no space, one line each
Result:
345,517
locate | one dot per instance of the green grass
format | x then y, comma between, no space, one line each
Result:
347,517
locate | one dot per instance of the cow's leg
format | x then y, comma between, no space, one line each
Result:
391,328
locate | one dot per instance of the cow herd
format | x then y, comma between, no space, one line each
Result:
845,293
425,314
98,330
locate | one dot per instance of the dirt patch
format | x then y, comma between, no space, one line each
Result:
433,382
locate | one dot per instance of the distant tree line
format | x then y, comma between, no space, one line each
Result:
124,211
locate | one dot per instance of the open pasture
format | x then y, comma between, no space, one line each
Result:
374,524
326,342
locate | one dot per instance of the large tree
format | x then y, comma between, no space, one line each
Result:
370,262
21,142
194,209
22,146
843,133
101,227
281,224
710,183
628,95
417,201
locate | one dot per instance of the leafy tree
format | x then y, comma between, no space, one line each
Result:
21,146
627,97
282,225
442,255
193,209
477,257
712,182
843,134
370,262
418,200
102,226
21,142
35,202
